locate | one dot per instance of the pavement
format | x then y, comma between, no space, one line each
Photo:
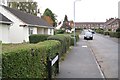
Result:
79,63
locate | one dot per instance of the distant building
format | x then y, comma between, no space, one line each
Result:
112,24
89,25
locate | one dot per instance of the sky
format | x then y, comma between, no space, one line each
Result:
85,10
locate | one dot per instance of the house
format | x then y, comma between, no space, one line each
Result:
24,24
48,19
5,24
112,24
89,25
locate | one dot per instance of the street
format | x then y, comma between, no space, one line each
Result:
106,51
97,58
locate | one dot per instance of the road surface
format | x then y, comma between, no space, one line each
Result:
106,51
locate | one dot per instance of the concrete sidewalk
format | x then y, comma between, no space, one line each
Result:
79,63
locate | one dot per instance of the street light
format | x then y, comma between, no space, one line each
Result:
74,22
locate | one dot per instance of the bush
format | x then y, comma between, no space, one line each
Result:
29,61
60,31
115,34
100,31
118,29
72,41
64,39
35,38
76,36
106,33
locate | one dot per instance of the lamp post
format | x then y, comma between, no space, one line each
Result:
74,22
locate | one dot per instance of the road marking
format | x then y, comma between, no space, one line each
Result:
84,46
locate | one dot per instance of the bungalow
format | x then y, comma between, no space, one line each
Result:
24,24
5,24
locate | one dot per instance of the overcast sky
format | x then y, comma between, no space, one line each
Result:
86,10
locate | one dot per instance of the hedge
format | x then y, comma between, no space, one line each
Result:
114,34
60,31
76,36
64,39
106,32
29,61
35,38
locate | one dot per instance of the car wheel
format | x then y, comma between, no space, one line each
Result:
84,38
91,38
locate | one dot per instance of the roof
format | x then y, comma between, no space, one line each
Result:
89,22
4,19
28,18
48,19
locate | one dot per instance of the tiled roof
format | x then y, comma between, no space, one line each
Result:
28,18
3,19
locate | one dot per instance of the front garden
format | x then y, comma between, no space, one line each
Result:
28,60
109,33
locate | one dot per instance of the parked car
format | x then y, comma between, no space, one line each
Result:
88,35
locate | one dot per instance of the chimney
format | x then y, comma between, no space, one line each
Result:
38,13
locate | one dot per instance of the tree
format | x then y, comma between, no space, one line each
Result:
65,18
28,7
118,29
49,13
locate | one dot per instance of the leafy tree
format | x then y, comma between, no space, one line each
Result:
28,7
49,13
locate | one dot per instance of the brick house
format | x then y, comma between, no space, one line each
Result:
112,24
89,25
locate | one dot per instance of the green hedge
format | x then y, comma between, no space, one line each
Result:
100,31
27,61
64,39
114,34
106,32
35,38
60,31
76,36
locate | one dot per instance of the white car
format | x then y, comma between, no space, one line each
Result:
88,35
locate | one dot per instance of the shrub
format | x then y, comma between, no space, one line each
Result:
35,38
72,41
76,36
106,33
29,61
64,39
115,34
100,31
60,31
118,29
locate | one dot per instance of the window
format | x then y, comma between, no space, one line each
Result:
30,31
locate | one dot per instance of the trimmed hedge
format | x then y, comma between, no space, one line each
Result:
35,38
29,61
106,33
100,31
64,39
114,34
76,36
60,31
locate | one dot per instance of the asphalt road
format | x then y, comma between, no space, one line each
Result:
80,63
105,50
